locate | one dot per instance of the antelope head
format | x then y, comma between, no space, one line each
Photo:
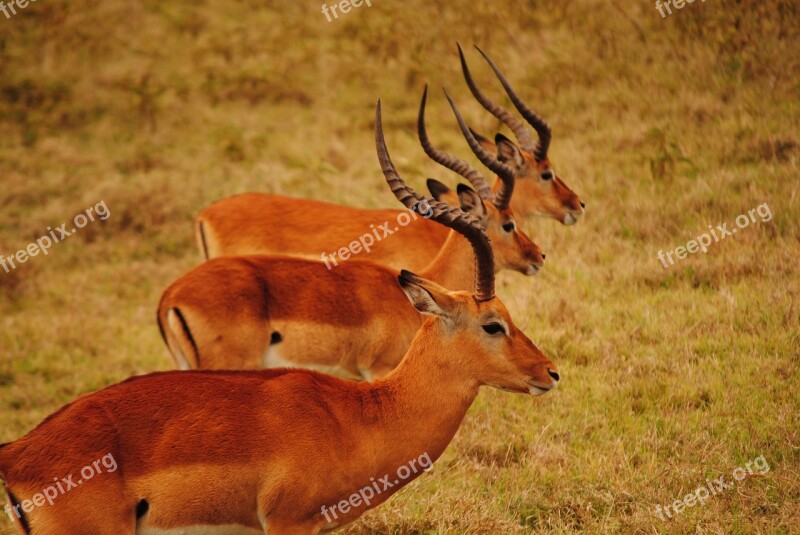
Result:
492,350
543,192
513,248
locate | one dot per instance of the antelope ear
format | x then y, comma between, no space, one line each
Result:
437,189
427,297
484,142
471,202
508,152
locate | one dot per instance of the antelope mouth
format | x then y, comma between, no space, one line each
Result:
533,269
570,218
536,388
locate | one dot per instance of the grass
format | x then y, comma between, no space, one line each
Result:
665,126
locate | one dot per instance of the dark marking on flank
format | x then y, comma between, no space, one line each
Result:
141,508
22,519
203,239
161,328
188,333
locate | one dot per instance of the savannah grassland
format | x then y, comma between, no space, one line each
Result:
670,376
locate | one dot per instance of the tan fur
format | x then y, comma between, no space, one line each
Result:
259,223
534,196
241,447
352,319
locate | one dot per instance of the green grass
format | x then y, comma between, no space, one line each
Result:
664,126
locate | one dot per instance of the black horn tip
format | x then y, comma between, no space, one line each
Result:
378,115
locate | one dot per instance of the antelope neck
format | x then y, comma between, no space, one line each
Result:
454,265
430,393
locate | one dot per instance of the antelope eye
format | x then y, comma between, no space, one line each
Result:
547,175
509,227
494,328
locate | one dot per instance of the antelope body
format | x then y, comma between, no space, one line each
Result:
265,451
273,311
308,228
261,223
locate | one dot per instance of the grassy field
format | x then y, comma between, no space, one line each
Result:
670,376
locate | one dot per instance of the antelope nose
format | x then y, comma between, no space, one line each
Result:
583,204
544,256
553,374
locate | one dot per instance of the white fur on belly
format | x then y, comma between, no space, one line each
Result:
273,359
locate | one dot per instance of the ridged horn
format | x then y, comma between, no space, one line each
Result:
521,132
448,160
442,213
538,124
506,174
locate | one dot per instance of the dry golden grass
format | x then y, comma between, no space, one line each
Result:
670,376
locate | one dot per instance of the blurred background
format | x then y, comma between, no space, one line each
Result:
663,124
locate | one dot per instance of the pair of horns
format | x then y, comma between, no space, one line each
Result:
523,135
442,213
504,171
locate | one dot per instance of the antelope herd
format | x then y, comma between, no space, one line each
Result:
226,446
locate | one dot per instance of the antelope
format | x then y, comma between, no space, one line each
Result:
281,311
541,190
264,451
261,223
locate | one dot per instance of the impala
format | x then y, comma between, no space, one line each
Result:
264,451
541,191
274,311
261,223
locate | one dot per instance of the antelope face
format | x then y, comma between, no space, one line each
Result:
543,193
511,361
513,249
489,347
538,190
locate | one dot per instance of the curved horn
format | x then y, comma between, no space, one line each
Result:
451,162
539,124
505,172
442,213
520,131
